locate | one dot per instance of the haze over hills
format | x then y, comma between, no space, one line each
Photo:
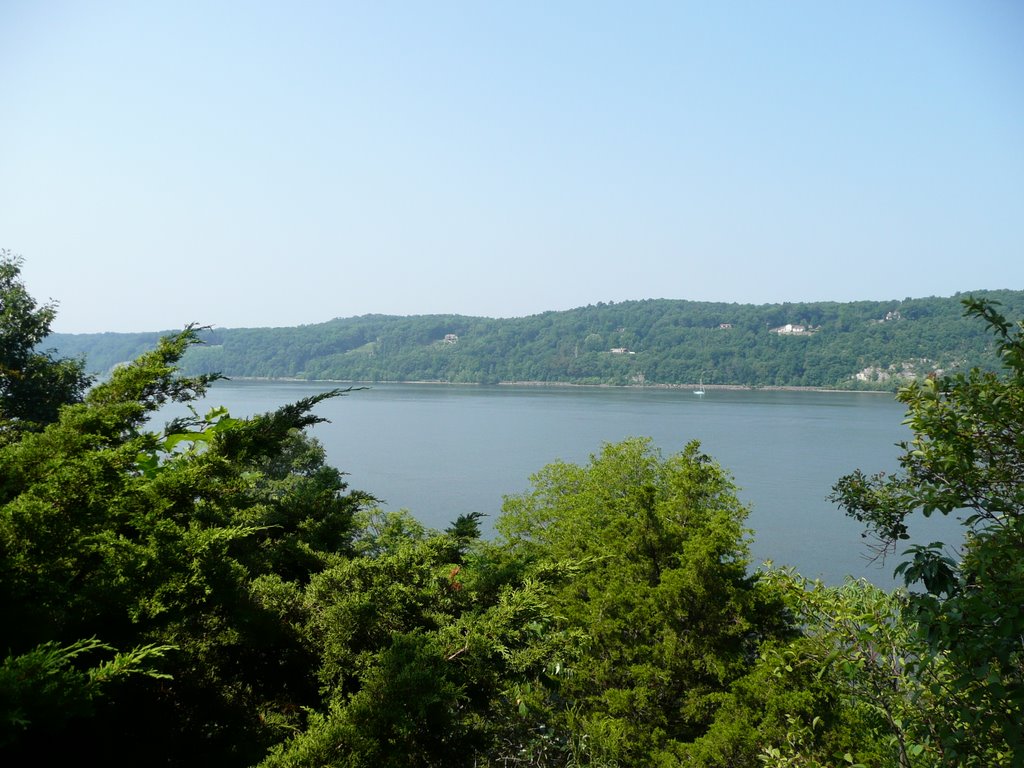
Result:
856,345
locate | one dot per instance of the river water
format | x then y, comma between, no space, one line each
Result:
444,450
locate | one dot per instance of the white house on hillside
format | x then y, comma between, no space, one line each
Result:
791,330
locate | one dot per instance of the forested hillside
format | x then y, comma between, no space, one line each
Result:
867,344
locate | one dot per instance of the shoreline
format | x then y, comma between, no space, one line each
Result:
571,385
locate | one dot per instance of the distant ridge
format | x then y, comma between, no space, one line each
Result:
852,345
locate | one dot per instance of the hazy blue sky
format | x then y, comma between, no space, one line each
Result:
249,163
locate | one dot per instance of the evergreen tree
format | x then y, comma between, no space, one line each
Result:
152,582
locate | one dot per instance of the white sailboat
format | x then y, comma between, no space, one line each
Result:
699,391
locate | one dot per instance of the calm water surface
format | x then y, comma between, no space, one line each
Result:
441,451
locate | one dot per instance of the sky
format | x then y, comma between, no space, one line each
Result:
243,164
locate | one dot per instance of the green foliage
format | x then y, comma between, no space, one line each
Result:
418,663
662,591
33,384
858,642
966,457
46,686
669,343
183,554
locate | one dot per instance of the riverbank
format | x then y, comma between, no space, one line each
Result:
570,385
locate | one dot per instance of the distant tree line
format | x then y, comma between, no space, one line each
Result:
659,341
